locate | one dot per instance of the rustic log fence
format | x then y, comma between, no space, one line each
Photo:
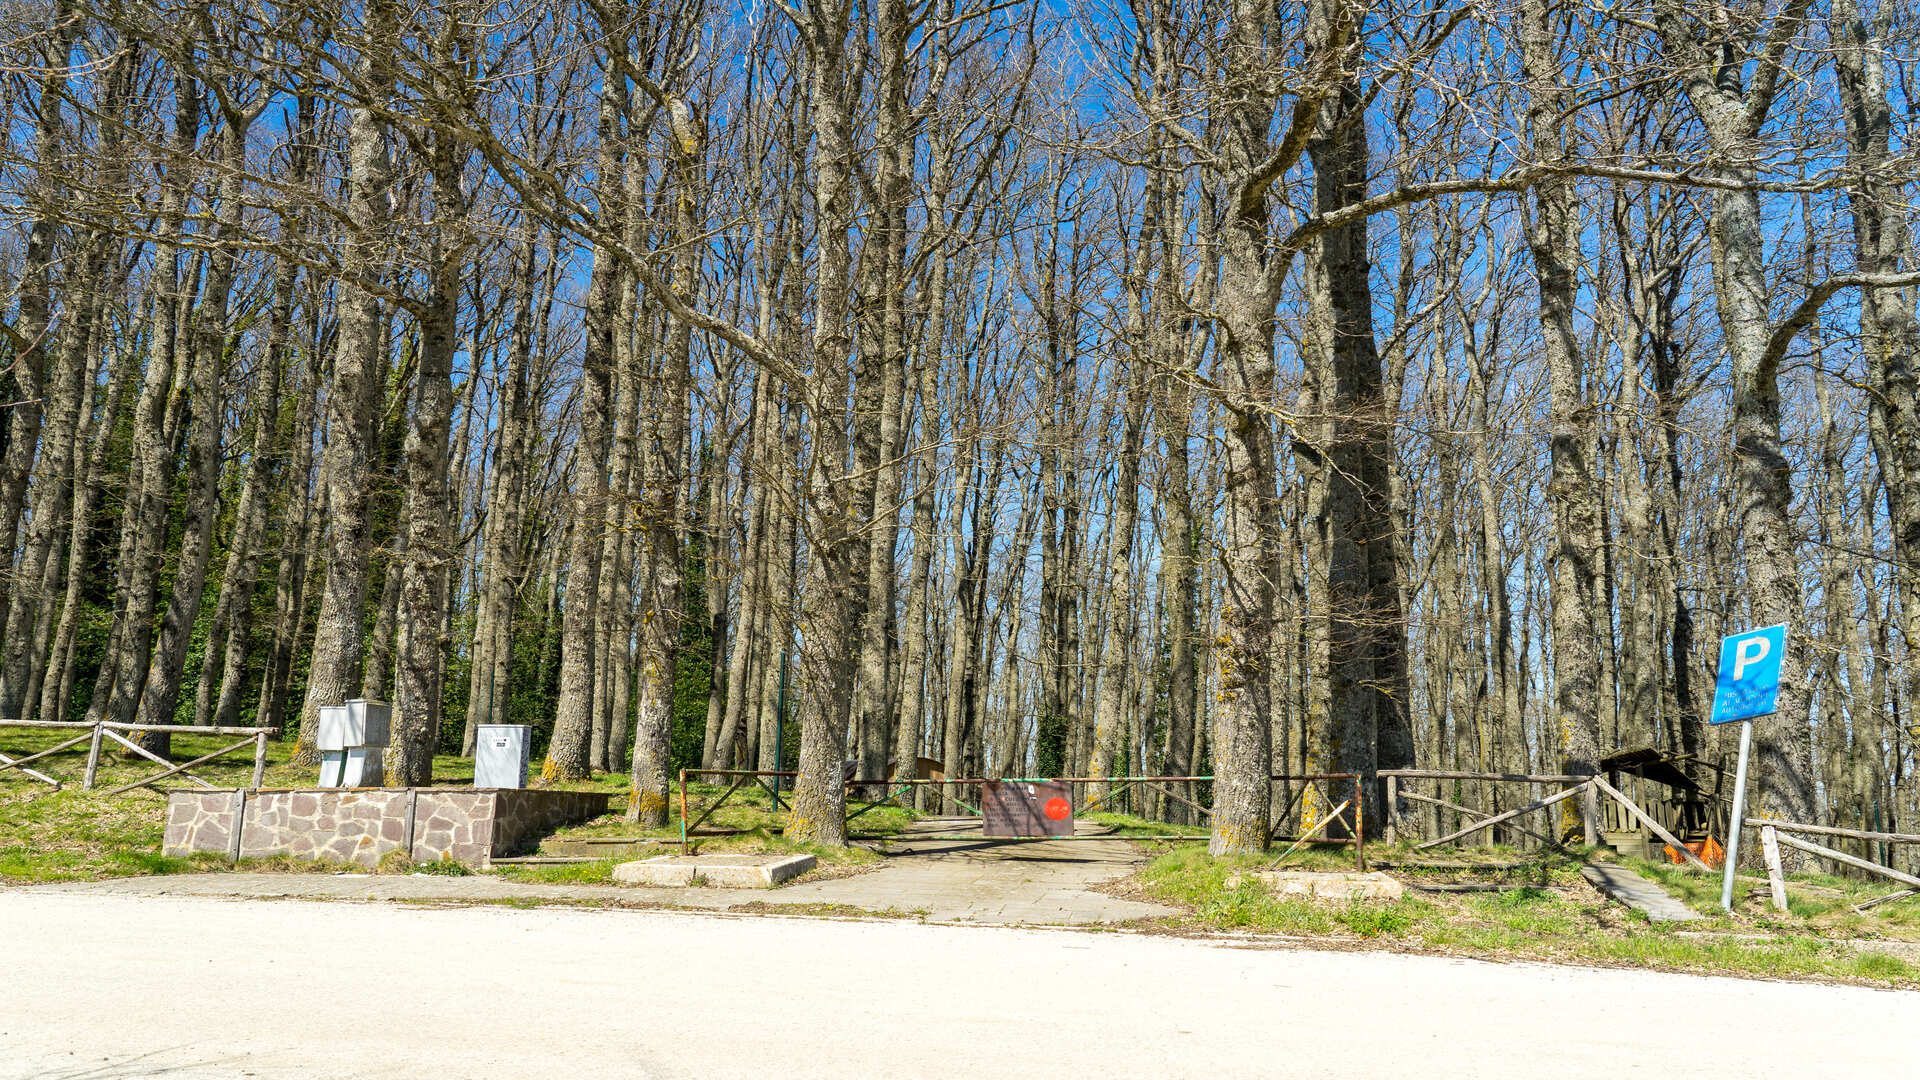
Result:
95,735
1774,833
1587,789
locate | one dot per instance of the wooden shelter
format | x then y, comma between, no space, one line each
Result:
1688,797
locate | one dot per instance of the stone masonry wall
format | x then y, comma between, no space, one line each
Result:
522,816
363,825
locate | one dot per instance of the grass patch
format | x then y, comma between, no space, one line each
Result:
597,872
76,835
1817,903
397,862
1548,913
1137,828
1876,965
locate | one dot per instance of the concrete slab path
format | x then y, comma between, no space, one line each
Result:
975,879
1638,893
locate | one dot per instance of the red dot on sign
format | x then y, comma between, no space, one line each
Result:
1057,808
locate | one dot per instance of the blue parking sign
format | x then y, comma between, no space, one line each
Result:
1749,681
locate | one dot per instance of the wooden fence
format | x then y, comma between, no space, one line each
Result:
96,734
1587,789
1774,833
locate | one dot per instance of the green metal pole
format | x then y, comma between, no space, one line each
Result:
780,719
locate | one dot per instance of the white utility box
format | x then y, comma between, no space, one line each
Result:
500,755
362,766
357,723
351,740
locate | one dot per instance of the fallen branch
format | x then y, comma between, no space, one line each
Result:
1861,909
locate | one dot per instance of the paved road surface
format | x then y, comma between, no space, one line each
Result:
116,986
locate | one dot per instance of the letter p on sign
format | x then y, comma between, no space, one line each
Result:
1748,652
1749,682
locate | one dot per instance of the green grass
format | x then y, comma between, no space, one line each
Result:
1547,913
1139,828
747,822
748,809
1817,903
597,872
75,835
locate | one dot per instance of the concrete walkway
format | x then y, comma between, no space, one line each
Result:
991,881
1638,893
969,880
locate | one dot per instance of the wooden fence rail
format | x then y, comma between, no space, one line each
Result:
1396,790
1586,788
1774,832
95,735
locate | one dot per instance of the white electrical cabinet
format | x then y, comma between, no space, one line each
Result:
500,755
351,740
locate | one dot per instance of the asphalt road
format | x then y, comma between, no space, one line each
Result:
108,986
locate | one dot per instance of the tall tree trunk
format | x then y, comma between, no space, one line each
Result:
568,755
1732,116
501,537
227,645
29,336
145,521
662,445
1116,644
29,599
1889,331
420,671
353,399
1366,634
1553,238
819,796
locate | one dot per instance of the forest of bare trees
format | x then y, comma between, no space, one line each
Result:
1046,387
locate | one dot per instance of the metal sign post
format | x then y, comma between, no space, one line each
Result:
1748,686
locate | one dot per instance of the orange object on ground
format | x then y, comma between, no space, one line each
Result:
1708,851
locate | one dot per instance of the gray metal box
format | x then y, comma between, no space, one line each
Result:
357,723
359,766
500,753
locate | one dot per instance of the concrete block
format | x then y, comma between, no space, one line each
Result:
718,871
1328,886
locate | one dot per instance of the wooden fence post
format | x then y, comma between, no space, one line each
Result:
1776,881
1393,809
1590,815
259,758
93,759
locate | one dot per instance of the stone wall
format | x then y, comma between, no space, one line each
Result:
362,825
521,816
